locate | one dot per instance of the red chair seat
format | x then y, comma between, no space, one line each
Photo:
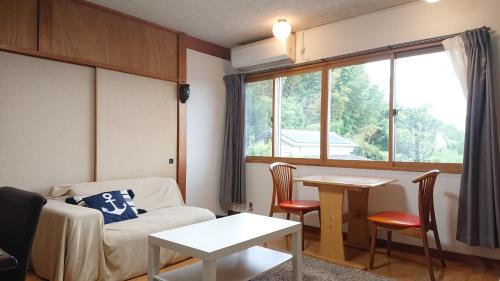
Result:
396,218
299,204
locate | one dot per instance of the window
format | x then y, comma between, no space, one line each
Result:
258,117
299,110
395,110
431,110
359,111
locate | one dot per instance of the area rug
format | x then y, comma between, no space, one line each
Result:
318,270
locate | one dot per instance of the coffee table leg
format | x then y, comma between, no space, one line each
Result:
209,270
153,261
297,255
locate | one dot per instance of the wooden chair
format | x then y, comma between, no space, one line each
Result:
409,224
282,201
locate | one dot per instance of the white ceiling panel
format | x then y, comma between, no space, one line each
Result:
233,22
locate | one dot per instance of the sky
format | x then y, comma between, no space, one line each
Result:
427,80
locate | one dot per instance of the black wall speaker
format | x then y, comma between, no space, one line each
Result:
184,92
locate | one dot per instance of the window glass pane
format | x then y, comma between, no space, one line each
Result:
258,117
299,109
359,111
430,120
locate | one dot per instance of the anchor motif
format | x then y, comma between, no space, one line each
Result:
109,199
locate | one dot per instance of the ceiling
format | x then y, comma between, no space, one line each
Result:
233,22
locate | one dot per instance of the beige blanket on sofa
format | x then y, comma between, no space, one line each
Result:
73,244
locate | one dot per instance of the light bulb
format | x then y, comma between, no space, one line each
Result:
281,29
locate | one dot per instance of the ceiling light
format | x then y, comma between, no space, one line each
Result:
431,1
281,29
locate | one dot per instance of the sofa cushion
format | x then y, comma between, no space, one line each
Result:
127,194
113,205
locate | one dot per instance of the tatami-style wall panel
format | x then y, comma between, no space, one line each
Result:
136,126
46,122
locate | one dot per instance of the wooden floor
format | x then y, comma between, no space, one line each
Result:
401,266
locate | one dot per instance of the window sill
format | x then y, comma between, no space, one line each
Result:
449,168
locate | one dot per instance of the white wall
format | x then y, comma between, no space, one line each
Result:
205,128
414,21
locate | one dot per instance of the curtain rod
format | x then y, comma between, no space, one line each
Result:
367,52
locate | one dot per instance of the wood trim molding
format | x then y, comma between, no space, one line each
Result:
449,168
96,123
294,161
207,48
182,57
418,250
181,117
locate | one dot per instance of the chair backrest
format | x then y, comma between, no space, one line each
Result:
282,174
19,213
426,198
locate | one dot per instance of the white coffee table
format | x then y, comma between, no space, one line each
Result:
228,248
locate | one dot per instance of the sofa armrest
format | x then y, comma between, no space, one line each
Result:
66,236
61,209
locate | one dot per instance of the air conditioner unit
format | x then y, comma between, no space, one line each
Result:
264,54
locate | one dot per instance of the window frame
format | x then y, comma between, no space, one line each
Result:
324,67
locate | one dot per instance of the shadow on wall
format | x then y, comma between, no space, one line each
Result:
451,220
389,197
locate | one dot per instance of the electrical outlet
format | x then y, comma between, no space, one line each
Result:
250,206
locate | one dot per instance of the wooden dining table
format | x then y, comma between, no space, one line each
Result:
332,189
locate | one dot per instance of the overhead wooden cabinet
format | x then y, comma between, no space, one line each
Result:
18,23
81,31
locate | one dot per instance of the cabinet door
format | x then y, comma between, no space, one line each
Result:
81,31
18,23
47,122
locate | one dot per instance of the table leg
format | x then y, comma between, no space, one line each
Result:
153,261
297,255
332,205
357,234
209,270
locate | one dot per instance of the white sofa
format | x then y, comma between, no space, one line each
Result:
73,244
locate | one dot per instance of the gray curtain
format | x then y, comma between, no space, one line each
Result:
479,203
232,182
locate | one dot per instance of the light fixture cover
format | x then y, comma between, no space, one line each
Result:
281,29
431,1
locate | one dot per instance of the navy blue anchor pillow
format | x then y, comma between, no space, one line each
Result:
112,205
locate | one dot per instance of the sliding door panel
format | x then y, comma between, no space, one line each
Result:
47,122
136,126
